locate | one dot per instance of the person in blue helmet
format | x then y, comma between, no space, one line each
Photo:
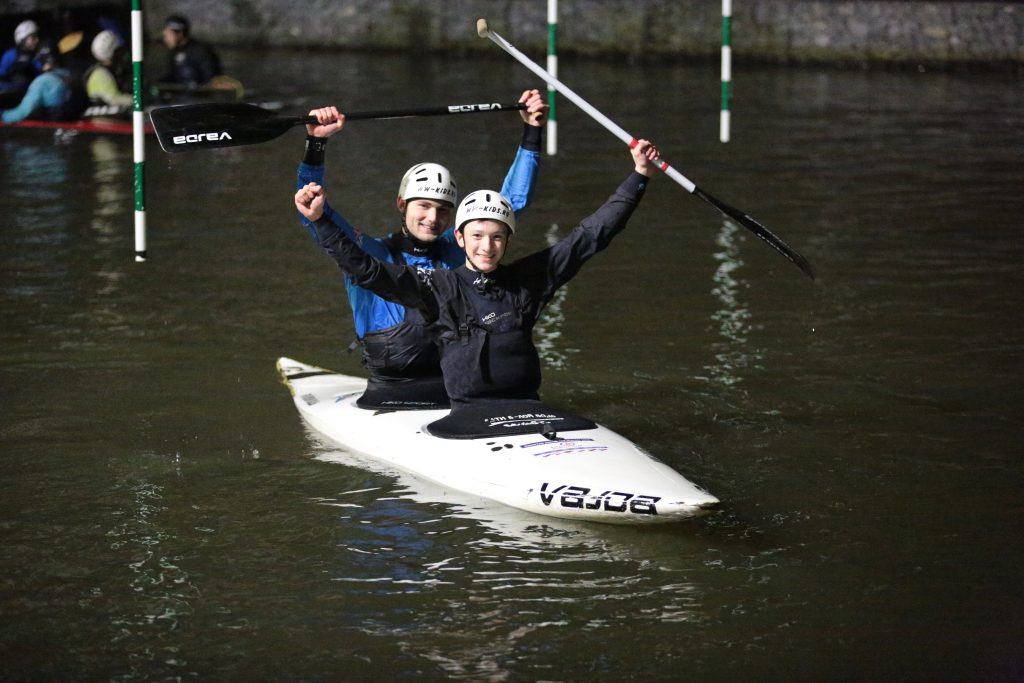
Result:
483,312
398,349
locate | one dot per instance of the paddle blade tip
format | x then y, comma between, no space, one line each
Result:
481,27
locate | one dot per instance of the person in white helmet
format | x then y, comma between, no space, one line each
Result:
20,64
101,87
398,349
483,312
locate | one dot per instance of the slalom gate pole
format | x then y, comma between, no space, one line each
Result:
553,70
723,128
138,133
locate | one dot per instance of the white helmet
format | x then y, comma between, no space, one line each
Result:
24,30
104,45
485,205
429,181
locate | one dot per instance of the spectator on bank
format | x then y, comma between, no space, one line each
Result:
190,63
101,86
20,64
53,95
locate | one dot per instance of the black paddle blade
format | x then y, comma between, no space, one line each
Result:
187,127
764,233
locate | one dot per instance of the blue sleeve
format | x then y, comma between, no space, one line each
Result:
308,173
6,61
521,178
29,103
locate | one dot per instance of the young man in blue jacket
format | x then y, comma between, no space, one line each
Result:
399,349
21,63
483,312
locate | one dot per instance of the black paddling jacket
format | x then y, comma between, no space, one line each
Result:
193,64
484,322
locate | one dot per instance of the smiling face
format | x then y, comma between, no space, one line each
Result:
485,243
425,219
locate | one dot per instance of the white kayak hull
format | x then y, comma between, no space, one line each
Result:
590,474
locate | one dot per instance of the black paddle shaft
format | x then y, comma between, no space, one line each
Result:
209,125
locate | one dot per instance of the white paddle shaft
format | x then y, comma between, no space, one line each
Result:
735,214
612,127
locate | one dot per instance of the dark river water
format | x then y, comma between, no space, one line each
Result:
165,515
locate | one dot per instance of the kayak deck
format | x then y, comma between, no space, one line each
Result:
591,474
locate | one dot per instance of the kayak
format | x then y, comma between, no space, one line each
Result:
100,126
524,454
220,88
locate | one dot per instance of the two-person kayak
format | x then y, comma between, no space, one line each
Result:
521,453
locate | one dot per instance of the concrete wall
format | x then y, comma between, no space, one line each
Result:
859,31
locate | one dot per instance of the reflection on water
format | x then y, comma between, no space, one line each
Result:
112,178
507,579
547,334
161,591
733,352
35,174
111,185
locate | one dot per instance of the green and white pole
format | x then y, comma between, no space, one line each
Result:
553,70
138,133
723,129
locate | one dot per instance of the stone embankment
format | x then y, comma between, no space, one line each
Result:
915,32
936,32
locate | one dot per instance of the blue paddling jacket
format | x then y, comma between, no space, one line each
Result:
50,96
397,343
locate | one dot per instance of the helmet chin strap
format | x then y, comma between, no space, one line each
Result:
414,245
483,275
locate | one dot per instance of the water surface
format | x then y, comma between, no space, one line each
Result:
166,515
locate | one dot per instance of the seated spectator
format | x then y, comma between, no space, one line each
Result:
20,64
53,95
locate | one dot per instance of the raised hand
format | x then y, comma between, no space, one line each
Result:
309,200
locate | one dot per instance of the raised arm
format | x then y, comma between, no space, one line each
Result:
400,284
549,269
522,175
311,170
